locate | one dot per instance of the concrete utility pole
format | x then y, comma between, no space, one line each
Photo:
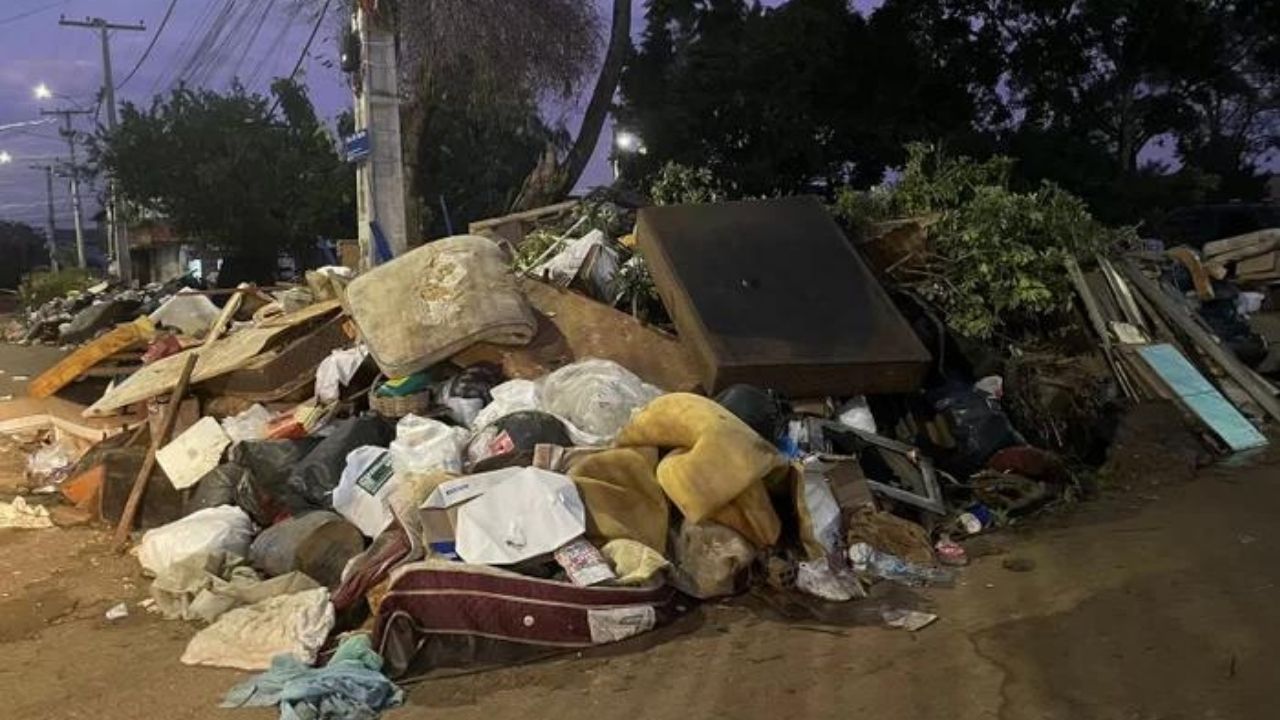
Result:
119,235
69,133
380,178
52,244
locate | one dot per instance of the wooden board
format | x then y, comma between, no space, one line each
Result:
77,363
574,327
27,414
1201,398
1242,246
217,358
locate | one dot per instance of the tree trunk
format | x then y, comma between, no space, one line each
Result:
546,185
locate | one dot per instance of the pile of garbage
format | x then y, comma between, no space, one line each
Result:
445,460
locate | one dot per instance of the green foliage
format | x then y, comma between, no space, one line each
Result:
246,174
677,184
40,287
998,265
23,249
810,94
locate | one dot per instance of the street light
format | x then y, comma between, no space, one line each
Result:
5,158
629,142
43,92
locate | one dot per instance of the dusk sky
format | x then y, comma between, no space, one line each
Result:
37,50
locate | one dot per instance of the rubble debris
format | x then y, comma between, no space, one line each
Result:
459,291
18,514
874,563
731,275
217,358
909,620
573,327
74,365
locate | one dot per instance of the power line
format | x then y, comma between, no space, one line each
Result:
29,13
146,53
310,38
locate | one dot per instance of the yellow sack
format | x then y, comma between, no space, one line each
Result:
634,563
622,496
718,468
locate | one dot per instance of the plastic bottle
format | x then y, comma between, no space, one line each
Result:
868,560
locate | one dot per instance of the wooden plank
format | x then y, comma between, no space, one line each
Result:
574,327
77,363
1242,246
224,318
166,428
1201,397
1180,315
217,358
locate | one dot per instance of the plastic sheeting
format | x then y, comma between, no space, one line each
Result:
248,638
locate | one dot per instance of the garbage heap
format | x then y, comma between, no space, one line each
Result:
468,463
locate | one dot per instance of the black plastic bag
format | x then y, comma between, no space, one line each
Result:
314,479
263,490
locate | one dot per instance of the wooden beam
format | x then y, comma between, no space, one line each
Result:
1180,316
121,537
80,361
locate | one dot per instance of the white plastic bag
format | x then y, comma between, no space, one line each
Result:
248,425
857,415
225,528
821,507
596,396
367,480
189,312
336,371
532,513
510,397
423,445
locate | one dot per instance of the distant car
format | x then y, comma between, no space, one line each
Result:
1195,226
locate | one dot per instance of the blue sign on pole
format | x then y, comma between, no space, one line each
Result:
356,147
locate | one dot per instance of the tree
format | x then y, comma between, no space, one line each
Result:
476,75
249,175
554,178
1097,82
810,93
23,248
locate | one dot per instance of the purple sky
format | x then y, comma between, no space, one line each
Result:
37,50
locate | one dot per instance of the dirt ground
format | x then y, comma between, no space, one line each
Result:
1157,601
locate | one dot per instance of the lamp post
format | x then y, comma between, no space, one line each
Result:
625,142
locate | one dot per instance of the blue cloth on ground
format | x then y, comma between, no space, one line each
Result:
350,686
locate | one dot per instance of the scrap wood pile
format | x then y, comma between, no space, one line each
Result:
469,464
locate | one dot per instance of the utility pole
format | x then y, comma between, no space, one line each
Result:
380,178
119,235
69,133
52,245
